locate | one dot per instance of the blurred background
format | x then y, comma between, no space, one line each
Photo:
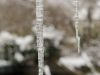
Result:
18,51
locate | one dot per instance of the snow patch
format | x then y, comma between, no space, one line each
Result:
96,14
24,42
4,63
83,13
18,56
47,70
50,32
75,62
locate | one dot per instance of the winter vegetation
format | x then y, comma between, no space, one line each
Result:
18,51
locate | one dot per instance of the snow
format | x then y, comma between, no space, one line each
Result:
24,42
75,62
50,32
18,56
96,14
6,37
83,14
47,70
72,62
4,63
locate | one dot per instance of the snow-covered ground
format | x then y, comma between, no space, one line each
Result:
4,63
75,62
23,42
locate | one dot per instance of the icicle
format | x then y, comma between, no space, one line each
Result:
76,21
39,35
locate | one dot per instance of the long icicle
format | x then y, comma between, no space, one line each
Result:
76,21
39,28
